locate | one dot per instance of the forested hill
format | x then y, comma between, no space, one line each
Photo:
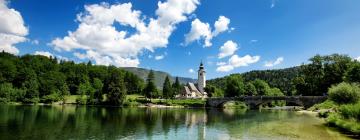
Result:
280,78
159,76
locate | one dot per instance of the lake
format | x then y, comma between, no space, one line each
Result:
87,122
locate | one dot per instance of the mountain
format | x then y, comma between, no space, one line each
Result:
159,76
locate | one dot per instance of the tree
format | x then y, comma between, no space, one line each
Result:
344,93
7,70
322,72
353,74
6,90
250,89
234,86
133,83
150,88
97,85
117,90
176,87
210,90
167,89
261,87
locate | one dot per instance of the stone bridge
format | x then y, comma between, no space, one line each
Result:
256,101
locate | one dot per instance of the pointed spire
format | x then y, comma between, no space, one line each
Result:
201,65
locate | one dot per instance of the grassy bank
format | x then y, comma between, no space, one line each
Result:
139,100
342,109
344,117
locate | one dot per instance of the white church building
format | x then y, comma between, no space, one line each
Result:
191,90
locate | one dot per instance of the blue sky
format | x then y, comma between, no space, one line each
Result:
175,36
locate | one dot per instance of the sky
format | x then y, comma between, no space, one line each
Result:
174,36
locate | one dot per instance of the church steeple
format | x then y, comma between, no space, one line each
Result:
201,65
201,78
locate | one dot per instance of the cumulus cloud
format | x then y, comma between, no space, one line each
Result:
221,25
236,61
191,71
274,63
200,30
44,53
159,57
103,43
227,49
12,28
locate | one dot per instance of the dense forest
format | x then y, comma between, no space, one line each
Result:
314,78
35,78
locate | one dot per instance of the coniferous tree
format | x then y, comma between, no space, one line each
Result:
167,89
116,90
176,86
150,88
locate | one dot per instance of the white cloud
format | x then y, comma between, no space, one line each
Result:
12,28
221,25
274,63
200,30
106,60
150,56
159,57
191,71
358,58
227,49
97,35
236,61
44,53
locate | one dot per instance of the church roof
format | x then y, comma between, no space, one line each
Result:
192,87
187,90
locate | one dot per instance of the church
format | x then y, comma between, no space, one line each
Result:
191,90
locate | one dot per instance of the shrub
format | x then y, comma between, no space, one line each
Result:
82,100
328,104
344,93
51,98
235,104
344,124
350,111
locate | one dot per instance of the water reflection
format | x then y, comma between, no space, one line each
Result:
80,122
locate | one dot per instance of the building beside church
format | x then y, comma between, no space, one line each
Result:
191,90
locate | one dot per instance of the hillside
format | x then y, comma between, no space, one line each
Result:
280,78
159,76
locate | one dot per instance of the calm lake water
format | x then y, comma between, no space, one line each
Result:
81,122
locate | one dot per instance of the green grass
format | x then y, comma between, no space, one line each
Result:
328,104
348,125
345,117
136,100
235,104
71,99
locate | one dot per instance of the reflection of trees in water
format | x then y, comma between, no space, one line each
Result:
66,122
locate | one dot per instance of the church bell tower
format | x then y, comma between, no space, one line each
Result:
201,78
